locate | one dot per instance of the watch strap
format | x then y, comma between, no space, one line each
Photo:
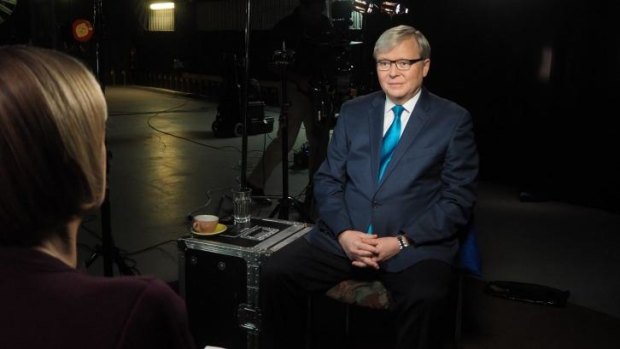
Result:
402,241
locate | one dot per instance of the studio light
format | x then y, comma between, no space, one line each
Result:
373,6
393,8
161,6
365,6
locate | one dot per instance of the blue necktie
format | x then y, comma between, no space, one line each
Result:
390,140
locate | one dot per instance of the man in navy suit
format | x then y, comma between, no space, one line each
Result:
385,214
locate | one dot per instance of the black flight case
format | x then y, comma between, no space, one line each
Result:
219,278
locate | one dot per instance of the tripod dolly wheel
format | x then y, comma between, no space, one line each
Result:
238,129
216,127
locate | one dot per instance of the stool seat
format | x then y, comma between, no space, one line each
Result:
369,294
373,295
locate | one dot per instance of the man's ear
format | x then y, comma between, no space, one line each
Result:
427,66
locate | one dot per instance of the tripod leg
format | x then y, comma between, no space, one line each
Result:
275,210
93,256
123,268
300,209
106,237
108,249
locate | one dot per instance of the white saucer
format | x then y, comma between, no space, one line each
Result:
220,228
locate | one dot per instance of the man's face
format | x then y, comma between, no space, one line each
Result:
402,85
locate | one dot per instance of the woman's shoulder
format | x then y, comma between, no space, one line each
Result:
147,305
143,286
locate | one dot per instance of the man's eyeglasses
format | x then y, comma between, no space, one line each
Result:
401,64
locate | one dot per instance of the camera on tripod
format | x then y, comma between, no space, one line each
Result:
229,119
283,57
341,14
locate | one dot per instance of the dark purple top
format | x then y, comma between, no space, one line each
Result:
46,304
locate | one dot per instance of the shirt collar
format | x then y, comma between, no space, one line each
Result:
409,105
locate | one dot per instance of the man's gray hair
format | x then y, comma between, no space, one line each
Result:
394,36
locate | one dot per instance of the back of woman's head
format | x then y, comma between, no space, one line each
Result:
52,155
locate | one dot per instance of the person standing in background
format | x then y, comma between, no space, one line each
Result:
306,32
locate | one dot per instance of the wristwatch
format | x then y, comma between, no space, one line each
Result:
402,240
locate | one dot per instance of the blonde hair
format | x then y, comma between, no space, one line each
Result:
52,129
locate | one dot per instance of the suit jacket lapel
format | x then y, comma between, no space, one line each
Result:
375,122
416,123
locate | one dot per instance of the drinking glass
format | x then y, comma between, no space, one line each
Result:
242,205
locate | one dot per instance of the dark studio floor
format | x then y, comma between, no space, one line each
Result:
166,164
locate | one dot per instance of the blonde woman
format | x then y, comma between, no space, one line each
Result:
52,172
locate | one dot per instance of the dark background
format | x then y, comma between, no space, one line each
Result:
556,138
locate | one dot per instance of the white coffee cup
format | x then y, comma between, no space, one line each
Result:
205,223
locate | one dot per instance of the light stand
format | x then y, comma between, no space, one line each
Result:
244,100
282,59
107,249
286,201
